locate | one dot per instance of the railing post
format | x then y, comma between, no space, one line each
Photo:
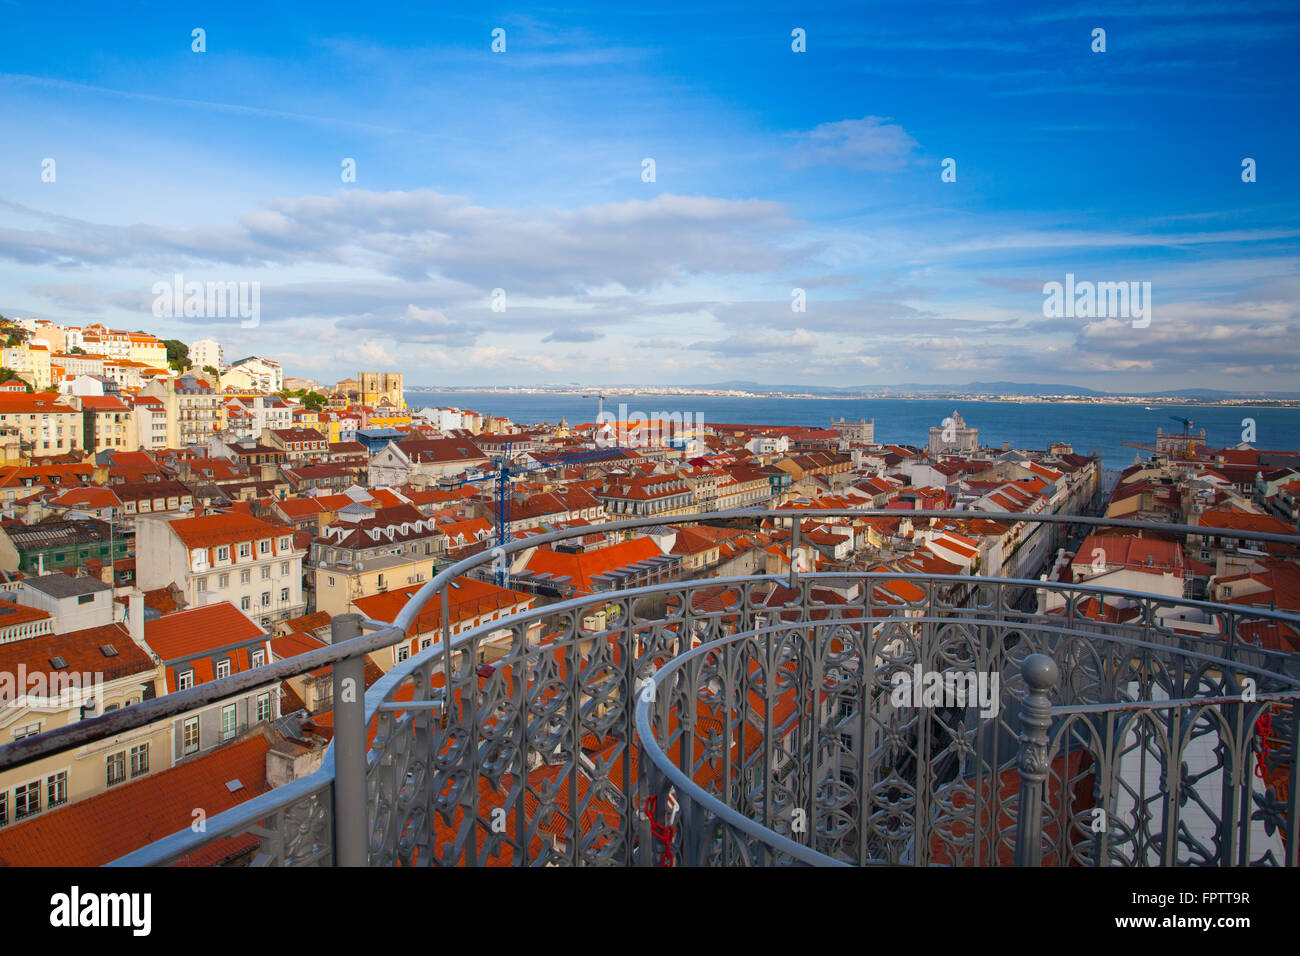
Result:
351,823
796,541
1041,674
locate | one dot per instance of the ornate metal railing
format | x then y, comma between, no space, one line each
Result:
763,719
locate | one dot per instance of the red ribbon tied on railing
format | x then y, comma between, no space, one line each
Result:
1263,729
662,832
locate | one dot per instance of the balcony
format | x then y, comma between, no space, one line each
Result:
766,720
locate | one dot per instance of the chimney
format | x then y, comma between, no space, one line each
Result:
135,616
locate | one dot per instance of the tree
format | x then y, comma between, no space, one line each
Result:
314,401
76,350
177,351
209,368
9,375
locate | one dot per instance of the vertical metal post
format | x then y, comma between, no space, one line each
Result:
1293,787
1041,674
351,821
796,539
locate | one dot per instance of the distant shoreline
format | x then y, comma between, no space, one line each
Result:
1011,399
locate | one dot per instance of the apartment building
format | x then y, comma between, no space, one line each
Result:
207,353
203,644
191,406
75,365
297,443
150,421
45,424
68,678
254,372
644,497
55,543
223,557
31,361
371,551
470,603
74,603
108,423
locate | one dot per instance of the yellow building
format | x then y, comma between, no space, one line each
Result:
31,361
147,350
389,421
67,678
45,425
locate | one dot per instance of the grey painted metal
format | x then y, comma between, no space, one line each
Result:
388,633
349,747
1041,675
538,756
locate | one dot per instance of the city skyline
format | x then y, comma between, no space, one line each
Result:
774,171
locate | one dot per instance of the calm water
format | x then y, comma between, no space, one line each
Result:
1100,428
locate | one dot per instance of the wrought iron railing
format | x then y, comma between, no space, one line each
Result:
762,720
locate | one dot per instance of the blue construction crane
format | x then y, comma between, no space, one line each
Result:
502,475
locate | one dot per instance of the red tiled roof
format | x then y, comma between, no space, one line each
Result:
104,827
207,531
199,629
582,568
82,651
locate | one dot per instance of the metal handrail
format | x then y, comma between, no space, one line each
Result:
778,843
178,702
386,634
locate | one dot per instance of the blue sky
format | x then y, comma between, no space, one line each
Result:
775,170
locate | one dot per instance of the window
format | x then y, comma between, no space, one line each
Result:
190,735
244,603
27,800
201,585
140,760
4,807
85,598
266,599
403,653
245,550
284,595
223,669
186,680
223,554
116,767
284,544
259,658
266,572
223,581
263,707
331,580
284,568
245,577
227,721
56,788
264,546
30,730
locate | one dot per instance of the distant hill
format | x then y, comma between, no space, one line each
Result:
994,388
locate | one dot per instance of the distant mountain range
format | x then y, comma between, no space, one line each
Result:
994,388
